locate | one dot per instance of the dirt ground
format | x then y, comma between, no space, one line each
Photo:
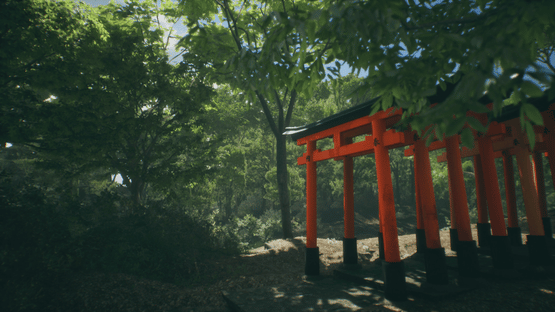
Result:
282,261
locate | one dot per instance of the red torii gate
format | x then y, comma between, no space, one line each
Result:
343,127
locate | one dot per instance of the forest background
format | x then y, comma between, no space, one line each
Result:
90,95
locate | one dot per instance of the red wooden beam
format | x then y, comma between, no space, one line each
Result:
351,125
391,139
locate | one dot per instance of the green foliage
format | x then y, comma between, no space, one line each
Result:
253,232
410,47
296,183
34,248
47,236
113,101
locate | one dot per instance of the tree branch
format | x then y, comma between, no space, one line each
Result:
232,28
292,102
267,113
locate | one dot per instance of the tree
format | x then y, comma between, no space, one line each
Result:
409,47
231,39
35,36
122,106
244,150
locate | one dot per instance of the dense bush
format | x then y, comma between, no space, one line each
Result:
34,247
253,232
43,238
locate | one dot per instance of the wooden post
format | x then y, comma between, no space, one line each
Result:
467,252
420,231
312,265
536,241
436,268
514,232
540,188
349,241
453,230
499,241
394,271
483,226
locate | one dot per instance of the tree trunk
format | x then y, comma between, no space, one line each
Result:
136,188
283,186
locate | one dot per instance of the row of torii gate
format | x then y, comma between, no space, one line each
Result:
504,138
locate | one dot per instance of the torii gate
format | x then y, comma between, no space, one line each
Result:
346,125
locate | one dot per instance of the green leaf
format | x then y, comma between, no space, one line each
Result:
428,133
442,85
531,89
533,113
467,138
455,126
531,135
387,101
430,137
476,124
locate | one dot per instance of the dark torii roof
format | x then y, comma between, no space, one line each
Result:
364,109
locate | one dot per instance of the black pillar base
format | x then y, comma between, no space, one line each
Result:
350,254
312,261
538,250
436,268
420,240
467,259
394,277
484,234
515,236
454,235
501,253
547,227
381,249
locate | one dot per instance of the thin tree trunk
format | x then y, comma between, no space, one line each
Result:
283,186
281,154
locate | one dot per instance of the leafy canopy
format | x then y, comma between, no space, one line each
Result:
409,47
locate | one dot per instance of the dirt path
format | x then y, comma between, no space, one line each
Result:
281,262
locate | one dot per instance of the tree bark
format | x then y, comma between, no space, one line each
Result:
283,186
281,154
136,188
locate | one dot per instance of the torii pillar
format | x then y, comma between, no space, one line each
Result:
513,230
499,241
350,254
312,263
436,268
540,188
420,231
453,231
483,226
536,241
393,266
467,252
